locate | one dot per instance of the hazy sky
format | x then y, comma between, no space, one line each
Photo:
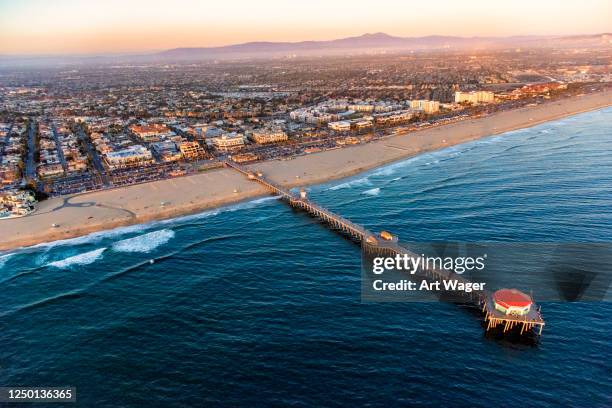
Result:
100,26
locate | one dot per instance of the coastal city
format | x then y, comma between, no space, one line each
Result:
73,129
322,204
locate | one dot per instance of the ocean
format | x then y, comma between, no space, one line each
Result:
257,304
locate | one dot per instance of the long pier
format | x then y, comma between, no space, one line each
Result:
385,244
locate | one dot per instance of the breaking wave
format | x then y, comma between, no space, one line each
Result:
98,236
144,243
5,258
216,211
80,259
352,183
93,237
373,191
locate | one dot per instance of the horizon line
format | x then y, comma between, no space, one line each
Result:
153,51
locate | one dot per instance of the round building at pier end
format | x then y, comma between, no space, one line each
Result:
512,302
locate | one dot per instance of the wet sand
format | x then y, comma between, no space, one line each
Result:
86,213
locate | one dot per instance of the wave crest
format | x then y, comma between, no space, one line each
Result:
144,243
352,183
4,258
373,191
80,259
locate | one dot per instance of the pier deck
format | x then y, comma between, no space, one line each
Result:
493,317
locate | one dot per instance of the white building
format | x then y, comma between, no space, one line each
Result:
133,155
268,135
361,107
425,105
228,141
340,126
392,118
474,97
312,116
362,124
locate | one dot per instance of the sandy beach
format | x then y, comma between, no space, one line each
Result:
86,213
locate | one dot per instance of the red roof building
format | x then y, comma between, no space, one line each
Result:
512,301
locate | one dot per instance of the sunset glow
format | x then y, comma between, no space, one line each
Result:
112,26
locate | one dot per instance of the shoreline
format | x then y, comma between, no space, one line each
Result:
86,213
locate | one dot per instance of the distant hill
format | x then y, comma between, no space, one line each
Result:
380,42
366,43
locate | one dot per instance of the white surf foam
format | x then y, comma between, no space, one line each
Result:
252,203
93,237
4,258
190,217
80,259
353,183
115,232
387,170
144,243
217,211
373,191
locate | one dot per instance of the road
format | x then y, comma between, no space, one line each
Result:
60,151
95,157
30,168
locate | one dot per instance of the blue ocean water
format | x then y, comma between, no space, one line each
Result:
259,305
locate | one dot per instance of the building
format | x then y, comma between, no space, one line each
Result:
537,89
199,130
131,156
350,140
263,136
512,302
361,107
425,105
213,132
312,116
317,115
191,150
228,141
379,107
474,97
340,126
16,203
167,151
47,171
361,124
244,157
393,118
151,133
9,174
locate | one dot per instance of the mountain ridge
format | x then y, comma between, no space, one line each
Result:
369,42
380,40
